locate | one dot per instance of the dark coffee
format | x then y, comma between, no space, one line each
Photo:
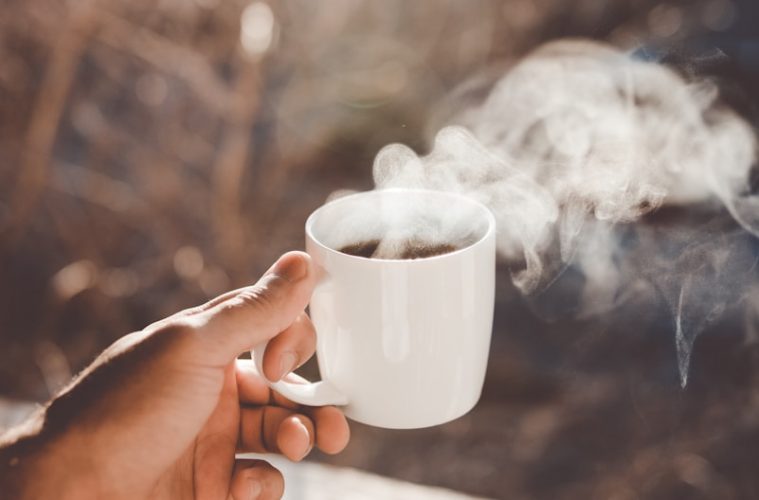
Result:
409,250
362,249
422,250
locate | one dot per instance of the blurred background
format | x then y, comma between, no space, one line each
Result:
156,153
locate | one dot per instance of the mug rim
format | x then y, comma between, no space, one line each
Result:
491,226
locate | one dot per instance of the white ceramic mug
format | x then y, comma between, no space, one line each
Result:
401,344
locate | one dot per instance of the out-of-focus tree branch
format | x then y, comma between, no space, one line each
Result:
46,114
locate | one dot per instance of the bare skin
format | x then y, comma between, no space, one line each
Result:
161,413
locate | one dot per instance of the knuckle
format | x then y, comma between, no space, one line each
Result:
191,311
173,336
268,439
304,322
265,295
175,331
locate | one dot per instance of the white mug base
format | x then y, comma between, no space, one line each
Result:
404,422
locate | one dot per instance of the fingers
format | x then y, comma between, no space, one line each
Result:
257,313
327,426
332,430
295,437
276,430
255,480
293,432
291,348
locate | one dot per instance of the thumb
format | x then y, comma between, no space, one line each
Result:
257,313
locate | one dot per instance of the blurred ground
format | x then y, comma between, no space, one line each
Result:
151,156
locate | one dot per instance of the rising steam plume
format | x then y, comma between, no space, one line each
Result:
576,143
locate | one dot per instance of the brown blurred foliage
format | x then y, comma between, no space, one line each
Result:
150,159
156,153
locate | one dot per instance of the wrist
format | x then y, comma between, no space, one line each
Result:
34,465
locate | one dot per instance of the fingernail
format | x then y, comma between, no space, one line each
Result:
287,363
309,445
292,268
254,489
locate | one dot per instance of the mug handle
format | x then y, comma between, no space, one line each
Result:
312,394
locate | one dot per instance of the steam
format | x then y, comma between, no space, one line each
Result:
579,139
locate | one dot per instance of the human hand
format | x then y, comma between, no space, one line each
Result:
161,412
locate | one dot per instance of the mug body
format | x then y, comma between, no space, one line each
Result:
406,341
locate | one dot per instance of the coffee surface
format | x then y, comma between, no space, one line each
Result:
361,249
408,250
